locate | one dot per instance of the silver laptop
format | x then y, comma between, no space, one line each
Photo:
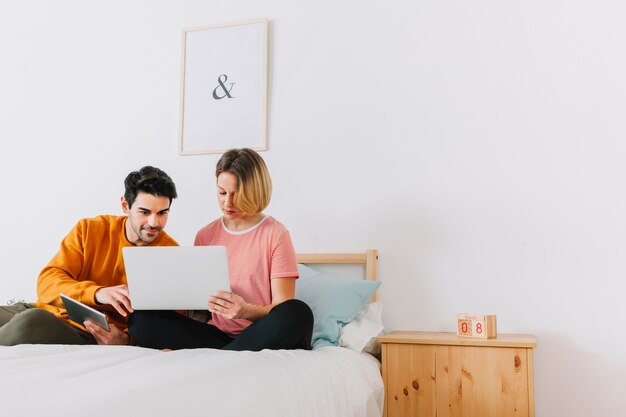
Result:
175,277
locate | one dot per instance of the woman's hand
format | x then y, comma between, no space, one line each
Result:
233,306
229,305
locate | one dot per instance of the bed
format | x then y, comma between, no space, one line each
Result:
330,380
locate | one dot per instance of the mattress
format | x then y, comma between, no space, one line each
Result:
68,381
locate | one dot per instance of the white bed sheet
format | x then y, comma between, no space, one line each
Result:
94,381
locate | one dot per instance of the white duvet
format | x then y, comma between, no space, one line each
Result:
93,381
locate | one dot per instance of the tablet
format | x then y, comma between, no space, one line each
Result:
80,312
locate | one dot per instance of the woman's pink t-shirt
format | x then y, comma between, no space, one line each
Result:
255,256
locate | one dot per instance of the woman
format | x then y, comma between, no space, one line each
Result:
260,311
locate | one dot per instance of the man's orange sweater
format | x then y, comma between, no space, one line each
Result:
90,258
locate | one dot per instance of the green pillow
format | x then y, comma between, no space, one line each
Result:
334,302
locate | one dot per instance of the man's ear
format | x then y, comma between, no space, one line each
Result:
125,207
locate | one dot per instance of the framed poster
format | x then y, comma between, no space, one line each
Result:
223,101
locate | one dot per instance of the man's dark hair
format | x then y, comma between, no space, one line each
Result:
148,180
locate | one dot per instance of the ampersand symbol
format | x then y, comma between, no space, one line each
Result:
223,88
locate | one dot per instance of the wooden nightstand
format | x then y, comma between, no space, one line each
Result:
440,374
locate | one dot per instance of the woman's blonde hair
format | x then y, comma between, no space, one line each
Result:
254,185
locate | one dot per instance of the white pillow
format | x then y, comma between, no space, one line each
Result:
361,333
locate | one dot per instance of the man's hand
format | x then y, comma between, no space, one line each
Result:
117,297
113,337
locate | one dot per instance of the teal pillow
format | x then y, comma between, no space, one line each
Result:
334,302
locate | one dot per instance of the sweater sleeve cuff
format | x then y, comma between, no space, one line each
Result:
89,295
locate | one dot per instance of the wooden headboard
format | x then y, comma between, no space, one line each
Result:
369,258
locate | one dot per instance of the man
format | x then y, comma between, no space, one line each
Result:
89,268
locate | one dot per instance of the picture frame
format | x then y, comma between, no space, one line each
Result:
223,92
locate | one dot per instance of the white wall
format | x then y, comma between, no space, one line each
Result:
479,145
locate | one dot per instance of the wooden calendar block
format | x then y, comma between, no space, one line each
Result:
475,325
